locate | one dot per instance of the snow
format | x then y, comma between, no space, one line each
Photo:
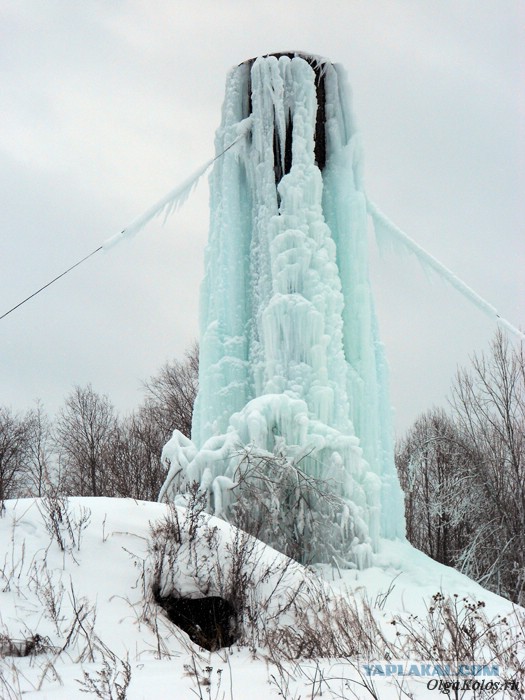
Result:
105,576
290,358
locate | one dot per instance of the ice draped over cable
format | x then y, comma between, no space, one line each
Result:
290,357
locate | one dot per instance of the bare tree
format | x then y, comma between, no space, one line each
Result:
489,401
100,454
433,465
171,393
136,470
84,437
464,474
39,450
14,436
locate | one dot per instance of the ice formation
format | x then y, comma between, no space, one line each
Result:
290,358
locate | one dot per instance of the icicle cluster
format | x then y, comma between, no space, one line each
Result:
290,360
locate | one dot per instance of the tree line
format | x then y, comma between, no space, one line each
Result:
90,450
463,473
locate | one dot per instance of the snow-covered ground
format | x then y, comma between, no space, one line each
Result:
88,611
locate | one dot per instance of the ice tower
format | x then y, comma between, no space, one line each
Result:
290,357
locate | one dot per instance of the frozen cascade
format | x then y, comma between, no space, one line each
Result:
290,359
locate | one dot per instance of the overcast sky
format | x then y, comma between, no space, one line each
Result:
107,104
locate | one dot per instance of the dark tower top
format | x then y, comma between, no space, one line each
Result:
317,63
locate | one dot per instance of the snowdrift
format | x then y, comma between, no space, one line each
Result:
78,611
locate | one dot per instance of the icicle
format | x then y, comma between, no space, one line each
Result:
401,241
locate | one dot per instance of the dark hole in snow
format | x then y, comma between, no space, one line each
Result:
320,135
209,622
22,647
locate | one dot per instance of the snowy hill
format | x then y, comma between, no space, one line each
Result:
78,613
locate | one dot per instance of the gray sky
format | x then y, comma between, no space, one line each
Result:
107,104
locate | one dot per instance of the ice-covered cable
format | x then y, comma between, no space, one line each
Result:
175,198
383,225
167,205
20,303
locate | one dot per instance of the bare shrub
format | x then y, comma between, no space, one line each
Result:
456,632
62,525
111,681
281,501
188,554
80,633
9,689
49,589
207,683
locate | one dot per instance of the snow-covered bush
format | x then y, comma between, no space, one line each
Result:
294,512
280,605
296,504
194,555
